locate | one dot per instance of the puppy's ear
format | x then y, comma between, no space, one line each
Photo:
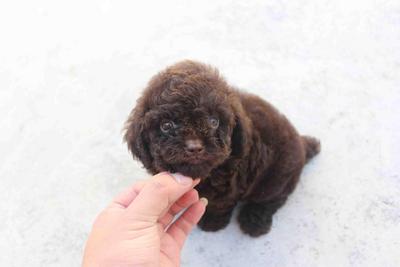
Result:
241,132
135,136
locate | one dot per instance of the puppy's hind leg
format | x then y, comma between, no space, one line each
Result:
255,217
270,193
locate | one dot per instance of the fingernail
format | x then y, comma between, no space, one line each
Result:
184,180
196,182
204,201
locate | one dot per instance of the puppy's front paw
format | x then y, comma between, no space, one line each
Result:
255,220
213,222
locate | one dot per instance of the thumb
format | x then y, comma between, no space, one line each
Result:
158,195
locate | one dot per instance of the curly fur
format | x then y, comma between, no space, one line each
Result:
254,155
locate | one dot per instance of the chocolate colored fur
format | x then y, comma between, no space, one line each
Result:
254,155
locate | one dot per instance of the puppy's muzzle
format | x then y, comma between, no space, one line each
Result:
194,147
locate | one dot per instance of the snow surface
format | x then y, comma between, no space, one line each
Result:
70,72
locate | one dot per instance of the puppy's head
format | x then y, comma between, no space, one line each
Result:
188,120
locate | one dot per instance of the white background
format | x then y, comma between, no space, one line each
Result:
70,72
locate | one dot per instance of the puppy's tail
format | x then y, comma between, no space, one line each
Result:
312,146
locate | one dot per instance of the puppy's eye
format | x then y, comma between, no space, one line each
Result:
214,122
166,126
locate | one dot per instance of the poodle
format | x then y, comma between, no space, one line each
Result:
190,120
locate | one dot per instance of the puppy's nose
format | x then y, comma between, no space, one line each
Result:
194,146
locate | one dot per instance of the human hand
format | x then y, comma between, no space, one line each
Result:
136,230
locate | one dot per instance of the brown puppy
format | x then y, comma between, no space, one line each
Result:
189,120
